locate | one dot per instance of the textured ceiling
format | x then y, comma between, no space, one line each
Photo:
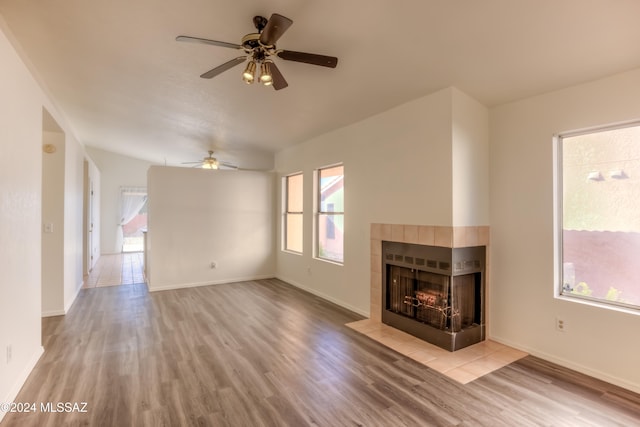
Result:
125,85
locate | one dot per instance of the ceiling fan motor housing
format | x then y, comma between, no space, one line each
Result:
250,42
260,22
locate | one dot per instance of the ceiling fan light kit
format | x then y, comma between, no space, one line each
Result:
211,162
260,48
265,73
249,73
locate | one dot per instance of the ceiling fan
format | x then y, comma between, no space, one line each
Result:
211,162
260,49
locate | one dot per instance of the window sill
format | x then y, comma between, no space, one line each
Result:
597,304
329,261
287,251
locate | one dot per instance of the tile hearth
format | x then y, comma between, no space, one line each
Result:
463,366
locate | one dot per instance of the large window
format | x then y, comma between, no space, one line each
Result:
293,213
598,215
330,214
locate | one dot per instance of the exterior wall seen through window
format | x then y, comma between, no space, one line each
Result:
330,214
293,215
599,227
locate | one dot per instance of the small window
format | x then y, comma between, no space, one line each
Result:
293,213
330,214
598,220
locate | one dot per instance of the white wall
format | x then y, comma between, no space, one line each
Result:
398,170
73,219
92,213
115,171
599,342
22,135
470,146
20,220
53,263
199,216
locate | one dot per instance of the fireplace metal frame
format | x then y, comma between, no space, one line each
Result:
450,262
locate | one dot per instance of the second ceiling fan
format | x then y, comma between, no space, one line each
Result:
260,49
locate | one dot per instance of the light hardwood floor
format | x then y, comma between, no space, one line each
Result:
263,353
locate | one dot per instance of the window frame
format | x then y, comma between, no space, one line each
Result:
286,213
318,213
558,222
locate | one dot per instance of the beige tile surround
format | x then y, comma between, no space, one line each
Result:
448,237
463,365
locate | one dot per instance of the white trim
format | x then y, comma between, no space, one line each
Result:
22,378
558,220
325,297
53,313
284,228
68,306
598,303
620,382
557,216
329,261
594,129
208,283
289,251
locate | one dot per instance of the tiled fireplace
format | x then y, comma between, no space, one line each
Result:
399,262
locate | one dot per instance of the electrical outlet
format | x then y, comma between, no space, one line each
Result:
213,264
561,325
9,354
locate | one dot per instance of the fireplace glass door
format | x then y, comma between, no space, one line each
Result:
441,301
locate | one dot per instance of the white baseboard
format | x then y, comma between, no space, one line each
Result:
620,382
22,378
68,305
209,283
326,297
53,313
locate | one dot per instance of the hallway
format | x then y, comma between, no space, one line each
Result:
117,269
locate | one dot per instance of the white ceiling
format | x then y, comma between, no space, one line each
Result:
125,85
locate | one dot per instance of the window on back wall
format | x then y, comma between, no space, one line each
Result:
330,213
598,216
293,213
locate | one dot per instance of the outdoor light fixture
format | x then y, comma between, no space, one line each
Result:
249,72
595,176
265,73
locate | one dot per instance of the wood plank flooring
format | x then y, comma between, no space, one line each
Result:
263,353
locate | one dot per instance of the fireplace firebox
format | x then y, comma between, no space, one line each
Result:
435,293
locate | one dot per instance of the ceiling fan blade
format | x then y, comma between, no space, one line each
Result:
228,165
308,58
224,67
278,79
207,41
276,26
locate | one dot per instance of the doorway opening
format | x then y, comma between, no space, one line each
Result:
133,223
